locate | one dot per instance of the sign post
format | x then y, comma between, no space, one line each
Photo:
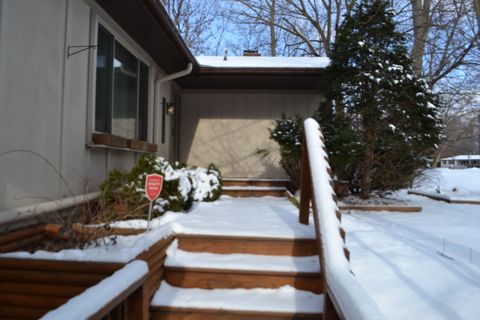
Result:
153,187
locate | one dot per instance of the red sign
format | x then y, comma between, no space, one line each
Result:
153,186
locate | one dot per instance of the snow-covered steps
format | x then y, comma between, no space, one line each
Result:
173,303
212,271
237,187
245,244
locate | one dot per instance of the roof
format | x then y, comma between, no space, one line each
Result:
263,62
149,24
464,157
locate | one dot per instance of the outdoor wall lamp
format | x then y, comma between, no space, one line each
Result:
170,109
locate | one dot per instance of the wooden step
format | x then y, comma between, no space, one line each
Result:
239,182
250,245
229,279
247,192
284,303
170,313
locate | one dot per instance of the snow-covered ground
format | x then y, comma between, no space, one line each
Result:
453,183
415,266
419,266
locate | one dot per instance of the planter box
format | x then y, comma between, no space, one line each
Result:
119,142
109,140
137,144
101,138
152,148
341,188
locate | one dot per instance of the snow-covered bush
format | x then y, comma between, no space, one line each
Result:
123,195
288,134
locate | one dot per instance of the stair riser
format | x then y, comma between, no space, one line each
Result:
195,314
206,279
253,193
250,183
296,247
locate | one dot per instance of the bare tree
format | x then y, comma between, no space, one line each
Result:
300,27
198,24
477,11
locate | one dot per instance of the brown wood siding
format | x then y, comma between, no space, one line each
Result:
227,128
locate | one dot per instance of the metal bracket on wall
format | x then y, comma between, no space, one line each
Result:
71,50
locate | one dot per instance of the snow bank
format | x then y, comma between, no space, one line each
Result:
180,258
453,183
285,299
263,62
352,299
95,298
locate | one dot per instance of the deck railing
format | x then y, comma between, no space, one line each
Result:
344,297
120,296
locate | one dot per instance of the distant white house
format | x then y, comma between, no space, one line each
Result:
461,161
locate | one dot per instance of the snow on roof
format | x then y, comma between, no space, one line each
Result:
464,157
263,62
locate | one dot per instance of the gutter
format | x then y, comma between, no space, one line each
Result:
175,75
158,82
35,210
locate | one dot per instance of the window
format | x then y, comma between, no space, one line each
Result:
121,101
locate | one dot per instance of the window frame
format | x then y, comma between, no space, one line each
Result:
141,125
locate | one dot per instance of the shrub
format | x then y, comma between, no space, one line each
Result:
123,195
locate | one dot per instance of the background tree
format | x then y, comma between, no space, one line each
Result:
198,23
389,110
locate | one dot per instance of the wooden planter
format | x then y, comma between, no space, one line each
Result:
151,147
109,140
137,144
341,188
29,288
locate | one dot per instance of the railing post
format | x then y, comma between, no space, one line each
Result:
138,304
305,185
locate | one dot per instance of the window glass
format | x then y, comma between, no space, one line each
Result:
125,94
121,101
143,102
103,92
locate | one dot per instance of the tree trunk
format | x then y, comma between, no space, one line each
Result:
421,26
477,11
273,34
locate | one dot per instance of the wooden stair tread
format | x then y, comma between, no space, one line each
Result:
285,300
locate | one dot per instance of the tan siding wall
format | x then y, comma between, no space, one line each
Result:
227,128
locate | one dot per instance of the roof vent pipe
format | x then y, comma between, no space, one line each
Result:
225,54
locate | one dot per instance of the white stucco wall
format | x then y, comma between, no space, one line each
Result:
47,101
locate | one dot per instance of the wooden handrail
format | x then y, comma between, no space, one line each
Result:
344,297
125,290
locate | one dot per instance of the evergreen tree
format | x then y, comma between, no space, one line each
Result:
381,122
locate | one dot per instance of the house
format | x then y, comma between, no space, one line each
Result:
85,85
461,161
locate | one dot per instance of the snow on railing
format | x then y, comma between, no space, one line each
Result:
124,286
344,297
